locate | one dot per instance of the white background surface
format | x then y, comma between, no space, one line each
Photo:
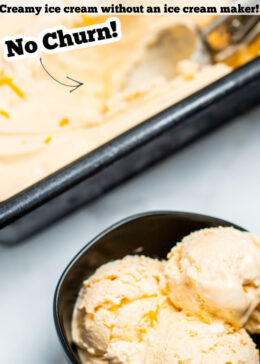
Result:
218,175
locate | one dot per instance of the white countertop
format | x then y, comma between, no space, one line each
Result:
218,175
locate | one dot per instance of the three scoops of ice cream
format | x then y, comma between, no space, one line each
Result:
196,307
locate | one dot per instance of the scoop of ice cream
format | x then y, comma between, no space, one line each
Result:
216,272
179,338
116,306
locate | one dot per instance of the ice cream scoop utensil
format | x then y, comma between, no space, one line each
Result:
227,34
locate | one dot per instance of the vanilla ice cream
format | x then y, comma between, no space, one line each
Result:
179,338
116,307
191,309
216,273
149,69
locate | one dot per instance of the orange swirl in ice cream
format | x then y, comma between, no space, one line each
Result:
8,81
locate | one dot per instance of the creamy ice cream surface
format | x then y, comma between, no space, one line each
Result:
216,273
39,118
179,338
116,307
192,308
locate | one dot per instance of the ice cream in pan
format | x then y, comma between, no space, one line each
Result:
158,62
153,66
198,306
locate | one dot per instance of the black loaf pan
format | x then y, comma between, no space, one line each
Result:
155,232
91,175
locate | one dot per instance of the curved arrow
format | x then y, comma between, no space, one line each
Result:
73,87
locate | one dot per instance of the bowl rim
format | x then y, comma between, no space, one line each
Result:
107,230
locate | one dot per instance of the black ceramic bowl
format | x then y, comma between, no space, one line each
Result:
152,234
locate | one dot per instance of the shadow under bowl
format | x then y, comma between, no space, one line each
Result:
152,234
